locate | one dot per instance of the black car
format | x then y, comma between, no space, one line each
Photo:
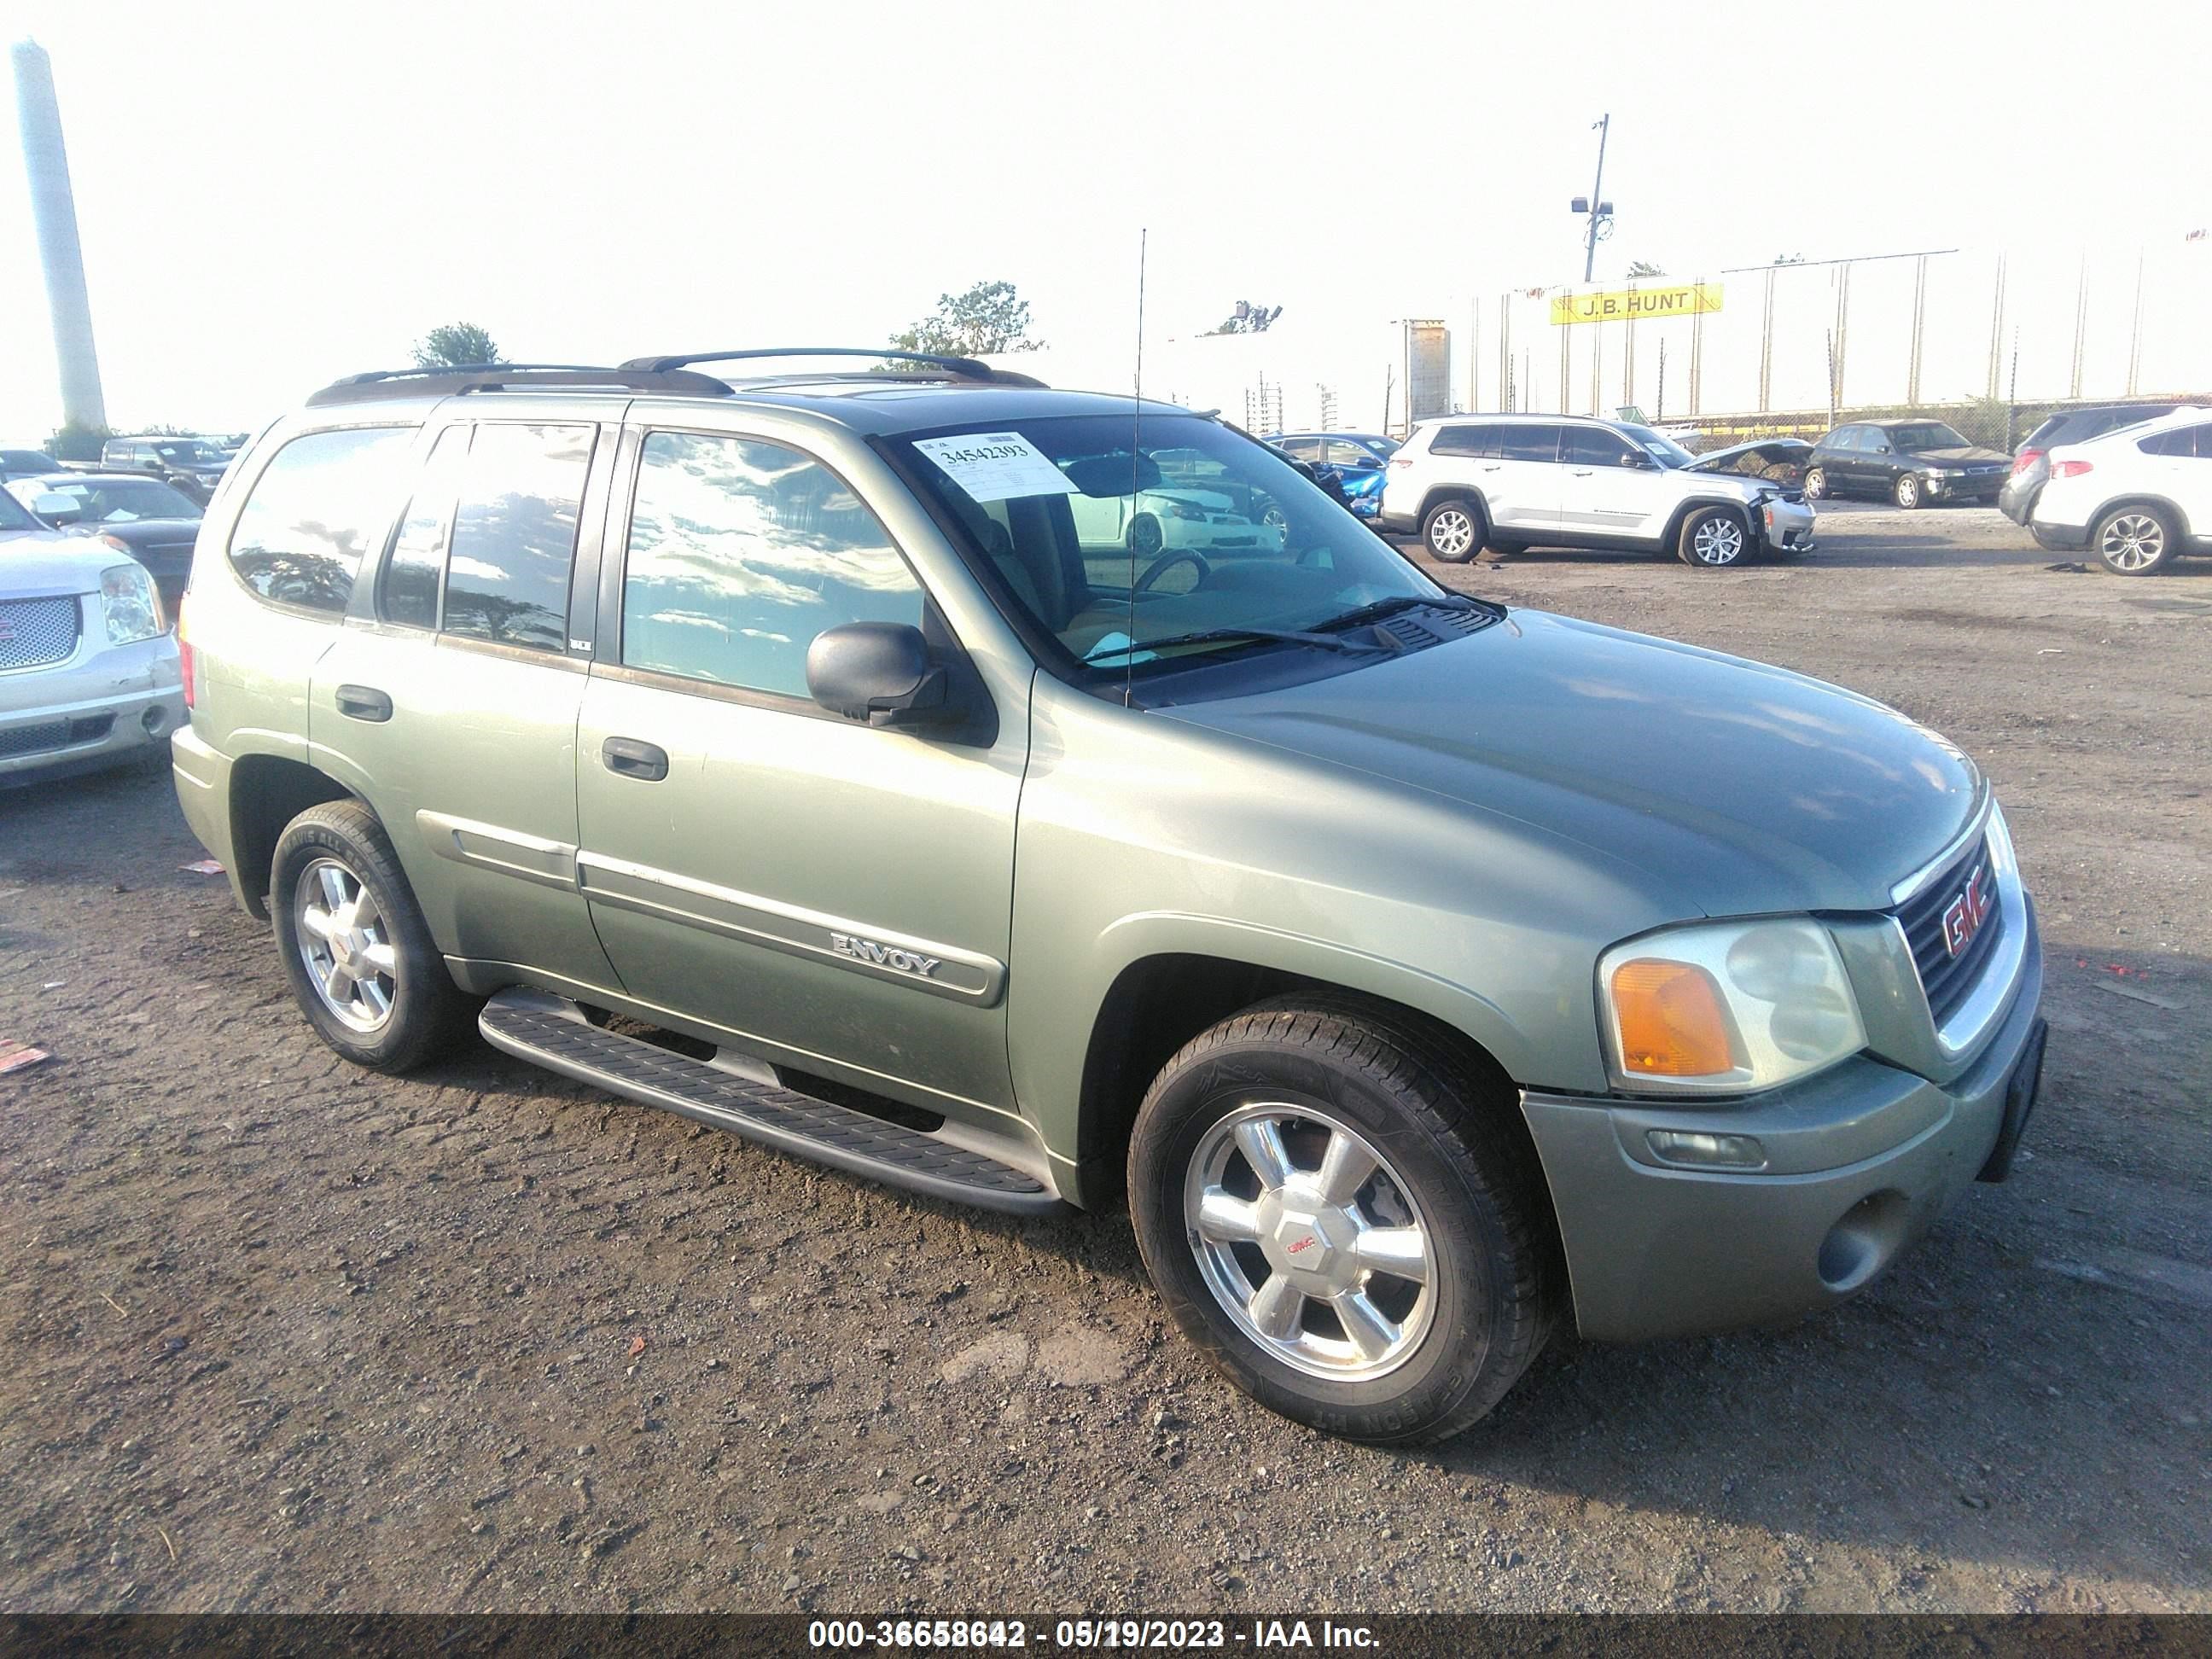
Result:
26,463
2031,464
1911,463
144,517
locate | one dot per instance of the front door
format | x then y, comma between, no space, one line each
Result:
1612,489
836,896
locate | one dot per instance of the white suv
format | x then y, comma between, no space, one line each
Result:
1511,481
2138,498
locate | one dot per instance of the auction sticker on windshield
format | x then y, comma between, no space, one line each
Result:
996,466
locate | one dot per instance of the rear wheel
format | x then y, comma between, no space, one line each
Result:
1338,1215
1714,538
358,956
1454,530
2134,541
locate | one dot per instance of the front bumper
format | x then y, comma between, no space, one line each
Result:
1984,487
1861,1162
1787,526
98,708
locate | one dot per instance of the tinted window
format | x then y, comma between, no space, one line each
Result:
1466,441
1342,452
1304,449
740,553
417,565
1591,445
1529,443
1844,437
324,499
2181,441
514,534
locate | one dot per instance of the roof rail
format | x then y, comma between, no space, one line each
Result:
495,377
964,368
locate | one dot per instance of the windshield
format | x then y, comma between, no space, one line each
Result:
1663,450
1383,448
1217,532
187,455
116,501
13,517
1923,435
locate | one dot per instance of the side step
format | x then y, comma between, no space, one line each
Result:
552,1032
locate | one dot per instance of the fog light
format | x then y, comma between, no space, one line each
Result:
1708,1151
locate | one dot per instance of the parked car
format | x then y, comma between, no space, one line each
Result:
1405,959
1911,463
1513,482
88,672
25,463
1358,461
2138,497
186,464
151,521
2031,462
1181,515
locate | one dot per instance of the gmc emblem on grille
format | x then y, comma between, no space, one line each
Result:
1963,916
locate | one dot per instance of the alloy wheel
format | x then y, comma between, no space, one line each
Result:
1719,541
346,942
1310,1241
2131,541
1451,534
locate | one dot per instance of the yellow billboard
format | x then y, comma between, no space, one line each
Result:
1629,305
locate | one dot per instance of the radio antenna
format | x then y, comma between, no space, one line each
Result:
1136,473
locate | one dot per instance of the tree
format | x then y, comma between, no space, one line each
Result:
989,317
1248,319
455,345
1643,268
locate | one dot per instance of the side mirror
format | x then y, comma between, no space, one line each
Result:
55,507
878,672
1630,458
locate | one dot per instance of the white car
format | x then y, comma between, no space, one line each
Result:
1173,515
1511,481
2138,498
89,669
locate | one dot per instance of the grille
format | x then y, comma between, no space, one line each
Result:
54,734
35,632
1948,979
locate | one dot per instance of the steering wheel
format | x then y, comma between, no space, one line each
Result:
1312,556
1168,562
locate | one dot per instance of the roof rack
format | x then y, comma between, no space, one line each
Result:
963,368
493,377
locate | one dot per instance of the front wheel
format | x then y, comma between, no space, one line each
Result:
1908,492
1816,484
358,956
1335,1210
2134,541
1454,530
1714,538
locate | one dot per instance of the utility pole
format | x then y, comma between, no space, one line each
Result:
1595,204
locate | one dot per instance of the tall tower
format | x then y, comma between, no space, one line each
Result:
54,211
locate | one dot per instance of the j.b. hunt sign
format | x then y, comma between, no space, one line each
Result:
1629,305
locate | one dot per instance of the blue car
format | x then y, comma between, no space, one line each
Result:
1357,461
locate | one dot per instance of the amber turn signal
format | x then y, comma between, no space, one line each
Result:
1672,1022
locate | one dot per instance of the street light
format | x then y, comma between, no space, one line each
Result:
1599,210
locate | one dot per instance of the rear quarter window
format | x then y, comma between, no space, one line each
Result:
322,503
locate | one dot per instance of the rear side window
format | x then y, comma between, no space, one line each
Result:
2181,442
514,534
740,552
1476,441
1530,443
323,500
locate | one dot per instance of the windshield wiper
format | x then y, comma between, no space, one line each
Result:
1394,604
1211,635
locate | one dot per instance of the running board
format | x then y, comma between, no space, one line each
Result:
552,1032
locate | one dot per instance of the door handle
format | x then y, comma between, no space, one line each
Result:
629,758
363,703
1581,471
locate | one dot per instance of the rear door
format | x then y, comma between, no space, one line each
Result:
449,700
837,896
1527,481
1839,458
1611,488
2179,462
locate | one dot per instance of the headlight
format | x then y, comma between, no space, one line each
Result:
134,609
1725,1007
1184,510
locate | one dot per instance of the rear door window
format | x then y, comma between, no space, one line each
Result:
1530,443
415,572
2180,443
323,501
514,534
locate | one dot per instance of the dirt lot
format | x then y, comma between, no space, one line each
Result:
278,1334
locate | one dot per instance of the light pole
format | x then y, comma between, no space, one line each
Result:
1594,204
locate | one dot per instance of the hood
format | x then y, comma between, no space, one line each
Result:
1774,452
36,563
1201,498
1723,787
141,531
1969,455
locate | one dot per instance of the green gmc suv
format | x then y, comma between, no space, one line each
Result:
1029,797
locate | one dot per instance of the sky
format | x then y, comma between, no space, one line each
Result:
269,197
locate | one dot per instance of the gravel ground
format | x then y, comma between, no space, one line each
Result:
284,1336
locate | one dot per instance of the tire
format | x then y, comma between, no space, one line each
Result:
1454,530
1816,484
406,1010
1452,1190
1714,538
2135,541
1907,492
1144,537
